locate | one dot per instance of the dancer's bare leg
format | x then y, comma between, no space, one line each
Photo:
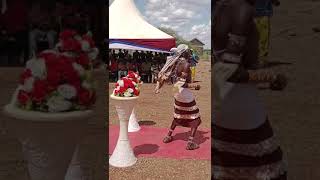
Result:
191,145
169,138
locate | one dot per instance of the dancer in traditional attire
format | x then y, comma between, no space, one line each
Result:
186,112
244,146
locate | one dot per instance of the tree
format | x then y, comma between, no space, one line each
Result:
179,39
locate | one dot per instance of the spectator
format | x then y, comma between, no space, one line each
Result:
136,55
193,63
149,56
14,21
114,69
114,55
131,66
264,12
146,71
155,69
121,54
156,57
143,56
42,35
122,69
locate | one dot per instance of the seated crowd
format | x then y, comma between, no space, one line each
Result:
148,64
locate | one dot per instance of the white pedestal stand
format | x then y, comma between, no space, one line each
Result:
123,155
133,122
48,139
74,170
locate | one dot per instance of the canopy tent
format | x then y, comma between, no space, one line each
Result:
129,30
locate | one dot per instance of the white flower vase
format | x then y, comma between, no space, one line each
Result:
74,171
133,122
123,155
48,140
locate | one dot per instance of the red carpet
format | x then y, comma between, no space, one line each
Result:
148,143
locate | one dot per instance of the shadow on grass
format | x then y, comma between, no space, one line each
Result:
147,123
271,64
145,149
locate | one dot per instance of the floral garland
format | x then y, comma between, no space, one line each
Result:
60,80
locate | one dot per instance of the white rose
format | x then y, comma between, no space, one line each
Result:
78,68
37,67
58,104
67,91
93,55
121,83
28,84
86,85
69,54
130,90
50,51
127,94
78,37
58,45
85,46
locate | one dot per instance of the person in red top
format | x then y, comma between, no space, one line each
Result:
114,69
14,21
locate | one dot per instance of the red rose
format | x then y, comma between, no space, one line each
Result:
40,90
136,92
49,57
23,97
53,77
25,75
130,83
89,40
66,34
67,72
122,90
126,82
83,60
86,97
131,74
71,76
71,45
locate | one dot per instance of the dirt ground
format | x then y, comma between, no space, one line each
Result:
295,112
156,111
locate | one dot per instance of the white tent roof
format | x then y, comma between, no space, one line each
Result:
126,22
132,47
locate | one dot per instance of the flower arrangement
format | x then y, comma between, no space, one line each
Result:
134,76
126,87
60,80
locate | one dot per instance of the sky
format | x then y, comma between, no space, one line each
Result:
189,18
